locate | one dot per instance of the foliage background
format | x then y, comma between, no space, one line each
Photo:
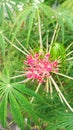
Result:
20,26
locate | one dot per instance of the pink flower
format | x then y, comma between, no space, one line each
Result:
38,68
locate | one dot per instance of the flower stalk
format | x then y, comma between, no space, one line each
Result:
71,58
60,94
63,75
53,37
22,46
40,33
15,46
21,75
69,46
38,87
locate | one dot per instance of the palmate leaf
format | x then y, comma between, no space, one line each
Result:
16,111
17,101
3,110
23,16
60,15
6,96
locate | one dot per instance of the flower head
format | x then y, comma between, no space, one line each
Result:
39,67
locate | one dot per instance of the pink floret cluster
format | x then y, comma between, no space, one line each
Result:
38,68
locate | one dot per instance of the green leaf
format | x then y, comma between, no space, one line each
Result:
58,50
1,14
18,21
61,23
64,16
24,90
2,45
47,10
69,68
68,4
30,24
3,111
65,120
9,12
25,104
16,111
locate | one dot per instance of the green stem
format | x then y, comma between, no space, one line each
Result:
38,87
40,33
22,46
69,59
53,37
47,86
47,46
69,53
64,75
69,46
15,46
60,93
51,89
21,75
24,81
